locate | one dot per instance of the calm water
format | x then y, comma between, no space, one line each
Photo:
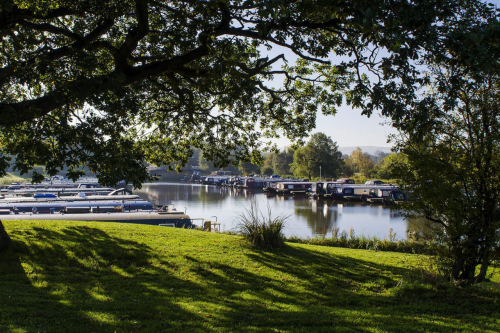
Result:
307,217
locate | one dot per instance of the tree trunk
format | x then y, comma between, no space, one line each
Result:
484,267
456,267
464,265
4,238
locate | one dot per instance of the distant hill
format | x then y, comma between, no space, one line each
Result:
366,149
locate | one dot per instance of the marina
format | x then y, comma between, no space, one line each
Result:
313,209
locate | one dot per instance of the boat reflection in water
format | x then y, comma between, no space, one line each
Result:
307,217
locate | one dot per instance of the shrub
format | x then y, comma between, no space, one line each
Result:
261,230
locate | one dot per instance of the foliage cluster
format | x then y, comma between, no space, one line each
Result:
320,154
108,86
319,157
10,178
359,162
452,151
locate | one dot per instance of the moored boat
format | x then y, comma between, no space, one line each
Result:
120,194
166,218
58,206
293,187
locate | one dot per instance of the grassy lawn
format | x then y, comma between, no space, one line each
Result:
107,277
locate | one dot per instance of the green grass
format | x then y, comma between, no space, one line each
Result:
13,177
107,277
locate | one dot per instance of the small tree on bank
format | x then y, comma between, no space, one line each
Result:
384,169
278,163
453,166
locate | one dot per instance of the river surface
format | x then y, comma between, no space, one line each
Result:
307,218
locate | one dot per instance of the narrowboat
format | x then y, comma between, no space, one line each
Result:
362,192
120,194
345,181
324,189
374,182
293,187
163,218
379,195
258,183
214,180
58,190
395,197
235,181
253,183
61,206
270,186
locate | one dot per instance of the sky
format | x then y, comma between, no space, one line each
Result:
351,129
348,128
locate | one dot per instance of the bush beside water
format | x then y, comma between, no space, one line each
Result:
351,241
264,231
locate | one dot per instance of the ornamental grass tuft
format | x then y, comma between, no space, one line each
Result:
263,231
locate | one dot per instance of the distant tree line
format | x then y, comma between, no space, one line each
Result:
319,158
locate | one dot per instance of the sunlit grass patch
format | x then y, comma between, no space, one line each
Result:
101,317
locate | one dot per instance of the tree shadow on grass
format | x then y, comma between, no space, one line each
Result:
81,278
335,293
337,284
318,299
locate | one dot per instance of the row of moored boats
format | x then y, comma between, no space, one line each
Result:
84,202
373,191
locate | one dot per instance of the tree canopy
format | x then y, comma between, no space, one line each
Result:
278,162
111,85
360,162
319,157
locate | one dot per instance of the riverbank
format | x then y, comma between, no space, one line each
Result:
12,177
106,277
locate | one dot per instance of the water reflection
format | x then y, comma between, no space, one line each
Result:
308,218
320,218
420,226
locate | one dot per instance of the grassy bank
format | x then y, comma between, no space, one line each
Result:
12,177
106,277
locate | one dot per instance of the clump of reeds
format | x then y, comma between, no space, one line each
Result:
264,231
350,240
